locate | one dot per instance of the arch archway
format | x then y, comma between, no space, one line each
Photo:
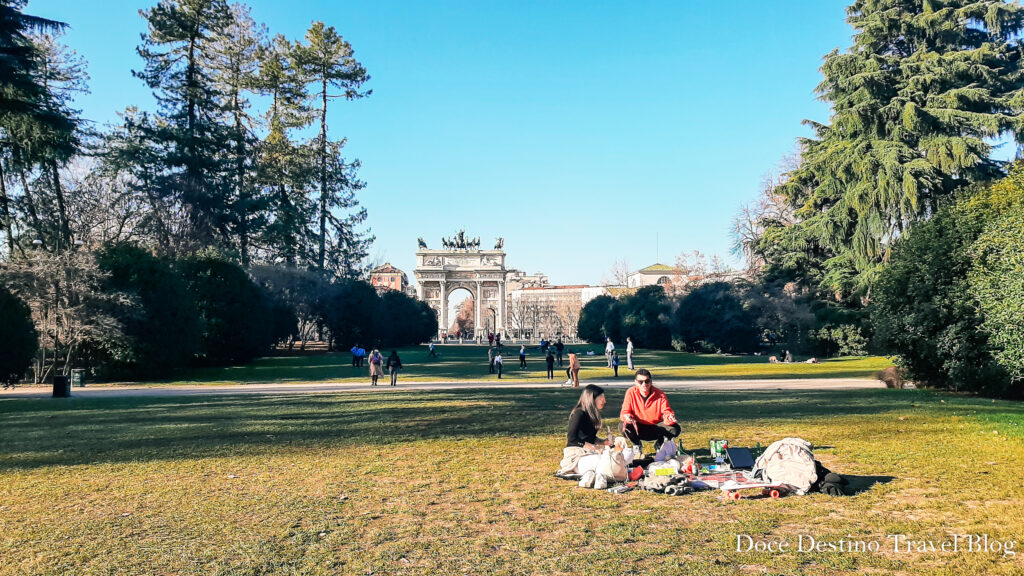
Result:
482,272
462,312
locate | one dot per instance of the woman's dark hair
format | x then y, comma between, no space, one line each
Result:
588,403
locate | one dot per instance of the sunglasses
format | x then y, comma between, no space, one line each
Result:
644,381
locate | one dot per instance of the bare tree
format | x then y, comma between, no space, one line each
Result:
464,317
748,224
568,310
618,274
69,306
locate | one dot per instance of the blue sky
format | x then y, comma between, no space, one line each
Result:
581,132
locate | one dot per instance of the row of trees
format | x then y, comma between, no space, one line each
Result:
207,168
732,317
232,182
124,312
889,209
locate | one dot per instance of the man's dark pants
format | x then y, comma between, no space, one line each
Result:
656,432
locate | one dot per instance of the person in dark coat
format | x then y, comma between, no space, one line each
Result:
394,367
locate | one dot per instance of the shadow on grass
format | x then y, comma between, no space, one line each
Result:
470,362
860,484
49,432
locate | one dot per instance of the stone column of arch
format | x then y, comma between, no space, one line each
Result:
477,317
502,305
444,307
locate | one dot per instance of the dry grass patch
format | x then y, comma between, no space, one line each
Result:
460,482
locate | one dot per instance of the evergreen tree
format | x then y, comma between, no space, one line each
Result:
235,73
914,101
328,63
130,156
26,111
62,75
284,167
180,56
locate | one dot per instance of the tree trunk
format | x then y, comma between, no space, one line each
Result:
5,211
243,212
321,256
64,240
31,206
289,223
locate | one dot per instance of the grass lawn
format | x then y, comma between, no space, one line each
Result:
470,363
459,482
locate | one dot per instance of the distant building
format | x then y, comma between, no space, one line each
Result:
548,311
662,274
516,279
674,279
387,277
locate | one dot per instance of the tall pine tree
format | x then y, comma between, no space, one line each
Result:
191,128
328,63
30,123
235,70
285,168
916,102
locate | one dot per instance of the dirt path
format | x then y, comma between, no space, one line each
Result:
101,391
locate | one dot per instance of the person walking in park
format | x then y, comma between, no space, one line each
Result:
559,347
549,359
646,414
355,355
490,338
629,352
615,363
522,356
394,367
376,366
498,362
574,369
432,353
490,360
362,357
609,347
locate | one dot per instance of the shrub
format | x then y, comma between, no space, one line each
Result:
19,338
714,317
842,340
598,320
923,308
891,376
234,314
403,321
349,311
163,330
997,283
644,318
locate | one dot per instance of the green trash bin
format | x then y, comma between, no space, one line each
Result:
78,378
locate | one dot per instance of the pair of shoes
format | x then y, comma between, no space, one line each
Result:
587,481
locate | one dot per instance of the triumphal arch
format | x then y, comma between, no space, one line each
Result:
461,264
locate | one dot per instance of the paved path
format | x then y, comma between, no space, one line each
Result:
102,391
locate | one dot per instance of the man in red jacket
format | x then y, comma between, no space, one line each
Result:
645,413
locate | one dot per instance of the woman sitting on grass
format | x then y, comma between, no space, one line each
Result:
582,446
